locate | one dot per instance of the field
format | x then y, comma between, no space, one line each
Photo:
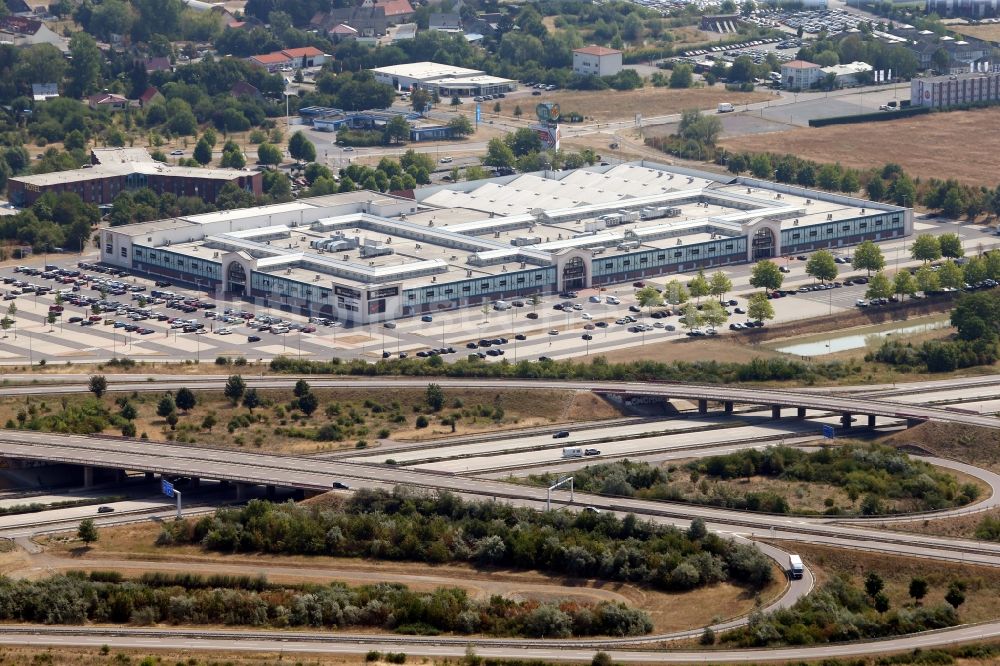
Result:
951,145
130,549
959,527
968,444
350,416
605,105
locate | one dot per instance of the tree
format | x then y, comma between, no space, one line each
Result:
904,284
759,308
419,99
648,297
398,129
435,397
766,275
696,127
301,388
720,285
879,286
977,316
251,399
675,293
918,588
713,314
308,403
868,257
691,318
822,266
87,532
98,385
699,286
517,111
873,584
523,142
975,270
926,247
499,155
956,594
268,154
203,152
166,406
682,76
460,126
951,245
881,602
185,399
601,659
235,388
927,280
301,148
85,65
951,276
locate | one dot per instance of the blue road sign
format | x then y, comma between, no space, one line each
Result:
167,487
828,431
479,113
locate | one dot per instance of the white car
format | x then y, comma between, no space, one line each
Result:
587,315
225,331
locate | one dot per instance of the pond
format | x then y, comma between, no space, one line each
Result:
817,345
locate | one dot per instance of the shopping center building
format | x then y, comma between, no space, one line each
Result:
368,256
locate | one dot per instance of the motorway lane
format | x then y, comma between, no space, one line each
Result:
316,474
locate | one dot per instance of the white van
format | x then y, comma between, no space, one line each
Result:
612,300
501,305
726,107
572,452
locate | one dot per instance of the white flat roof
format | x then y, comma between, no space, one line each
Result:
427,71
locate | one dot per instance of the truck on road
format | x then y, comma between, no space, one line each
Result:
795,567
572,452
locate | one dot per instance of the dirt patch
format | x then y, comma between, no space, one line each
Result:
969,444
605,105
983,583
130,548
951,144
723,350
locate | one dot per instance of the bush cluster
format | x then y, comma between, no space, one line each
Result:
440,528
104,596
837,612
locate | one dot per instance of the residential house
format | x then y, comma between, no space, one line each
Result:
21,31
18,8
109,101
964,55
368,21
244,89
341,32
445,22
396,11
43,91
158,64
150,96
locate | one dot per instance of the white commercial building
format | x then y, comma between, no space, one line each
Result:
800,75
849,74
446,80
958,89
597,61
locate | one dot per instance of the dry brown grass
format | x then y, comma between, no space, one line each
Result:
983,583
723,350
131,547
959,527
368,412
969,444
951,145
990,33
606,105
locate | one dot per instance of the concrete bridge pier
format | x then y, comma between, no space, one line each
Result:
241,491
845,420
800,412
702,406
195,481
271,491
88,476
728,406
871,420
775,412
150,476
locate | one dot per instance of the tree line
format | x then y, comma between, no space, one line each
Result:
441,528
184,599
